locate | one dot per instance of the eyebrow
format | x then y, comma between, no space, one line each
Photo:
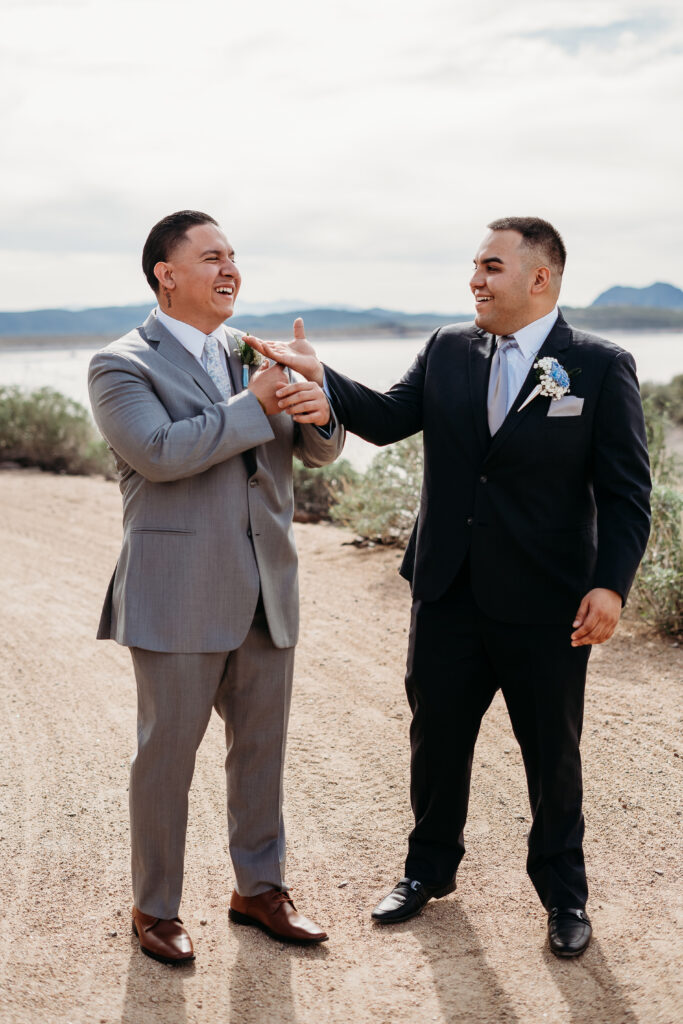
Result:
216,252
489,259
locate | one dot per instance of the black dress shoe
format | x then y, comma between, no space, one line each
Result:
407,900
569,931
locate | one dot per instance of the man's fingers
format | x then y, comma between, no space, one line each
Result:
266,348
292,389
582,611
589,624
295,392
596,629
302,407
299,330
597,617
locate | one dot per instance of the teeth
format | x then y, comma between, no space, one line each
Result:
224,291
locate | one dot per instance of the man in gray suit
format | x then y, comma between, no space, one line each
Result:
205,591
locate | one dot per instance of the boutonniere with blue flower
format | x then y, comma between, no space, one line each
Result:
248,357
553,381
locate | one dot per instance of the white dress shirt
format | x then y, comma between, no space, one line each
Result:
192,339
520,358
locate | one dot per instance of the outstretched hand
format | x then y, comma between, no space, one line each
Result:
298,354
597,617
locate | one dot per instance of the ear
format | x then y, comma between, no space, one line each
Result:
164,275
541,280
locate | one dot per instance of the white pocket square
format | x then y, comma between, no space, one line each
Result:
568,405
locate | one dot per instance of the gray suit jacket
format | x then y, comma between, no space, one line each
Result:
201,535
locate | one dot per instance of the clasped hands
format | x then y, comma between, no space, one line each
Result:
305,401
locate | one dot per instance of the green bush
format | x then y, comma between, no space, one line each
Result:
658,587
666,399
659,584
662,462
45,429
383,506
316,490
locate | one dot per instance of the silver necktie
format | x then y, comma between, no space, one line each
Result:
215,368
497,403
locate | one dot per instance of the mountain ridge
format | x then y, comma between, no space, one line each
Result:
659,295
109,322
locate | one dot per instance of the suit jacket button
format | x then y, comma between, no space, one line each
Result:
253,483
483,479
248,533
469,520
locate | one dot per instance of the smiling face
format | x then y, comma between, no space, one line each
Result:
201,278
511,286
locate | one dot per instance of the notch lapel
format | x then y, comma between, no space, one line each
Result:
554,346
234,361
481,350
171,349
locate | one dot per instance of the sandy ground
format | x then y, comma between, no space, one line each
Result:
67,723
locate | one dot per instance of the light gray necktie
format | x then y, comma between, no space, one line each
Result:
497,403
215,368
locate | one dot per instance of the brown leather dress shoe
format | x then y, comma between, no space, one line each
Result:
274,913
166,941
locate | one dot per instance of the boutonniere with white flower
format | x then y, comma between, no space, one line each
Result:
553,381
248,357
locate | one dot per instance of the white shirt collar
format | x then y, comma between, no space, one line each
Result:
191,337
531,337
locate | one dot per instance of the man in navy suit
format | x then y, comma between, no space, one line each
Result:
533,518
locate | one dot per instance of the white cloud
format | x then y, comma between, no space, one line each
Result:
353,151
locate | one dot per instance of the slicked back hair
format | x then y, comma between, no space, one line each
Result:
165,236
538,234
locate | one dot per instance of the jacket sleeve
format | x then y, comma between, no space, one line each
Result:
314,448
376,417
136,425
621,477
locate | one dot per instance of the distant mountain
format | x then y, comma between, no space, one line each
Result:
655,296
109,320
112,321
347,321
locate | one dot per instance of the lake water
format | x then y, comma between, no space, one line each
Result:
658,355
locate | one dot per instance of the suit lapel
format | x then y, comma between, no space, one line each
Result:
554,346
234,361
481,349
171,349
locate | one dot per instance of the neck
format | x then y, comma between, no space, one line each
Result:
201,322
530,318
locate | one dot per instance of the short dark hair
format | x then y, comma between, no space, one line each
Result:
537,233
165,236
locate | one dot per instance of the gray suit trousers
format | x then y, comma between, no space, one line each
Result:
250,688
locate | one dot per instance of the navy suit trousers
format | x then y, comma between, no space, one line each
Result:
457,658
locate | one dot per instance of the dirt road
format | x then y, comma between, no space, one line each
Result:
67,722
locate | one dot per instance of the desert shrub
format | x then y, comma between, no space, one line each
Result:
662,462
316,490
383,506
45,429
659,584
666,399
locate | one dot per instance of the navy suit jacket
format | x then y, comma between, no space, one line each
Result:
548,508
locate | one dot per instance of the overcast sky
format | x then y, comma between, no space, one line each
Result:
352,151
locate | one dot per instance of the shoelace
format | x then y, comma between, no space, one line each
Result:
283,897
